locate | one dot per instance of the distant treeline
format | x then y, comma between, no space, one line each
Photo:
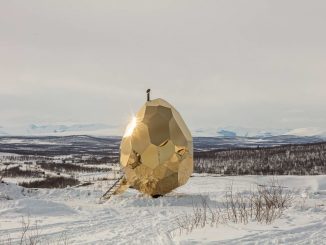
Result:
307,159
68,167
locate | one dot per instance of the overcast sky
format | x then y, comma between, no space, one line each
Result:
244,63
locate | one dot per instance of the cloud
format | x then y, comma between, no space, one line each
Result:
219,62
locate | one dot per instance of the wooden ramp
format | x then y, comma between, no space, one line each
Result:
117,187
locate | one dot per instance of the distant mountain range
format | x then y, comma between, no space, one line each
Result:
60,130
241,132
231,132
97,129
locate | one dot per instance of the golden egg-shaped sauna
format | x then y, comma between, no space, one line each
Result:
156,151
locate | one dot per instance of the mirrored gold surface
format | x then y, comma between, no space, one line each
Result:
156,152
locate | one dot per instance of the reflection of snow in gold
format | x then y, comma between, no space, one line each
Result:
156,152
131,126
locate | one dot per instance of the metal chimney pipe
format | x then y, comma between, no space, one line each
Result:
148,91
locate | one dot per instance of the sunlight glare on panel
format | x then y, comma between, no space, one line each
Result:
131,126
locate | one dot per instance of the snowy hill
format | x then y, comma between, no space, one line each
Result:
307,132
74,214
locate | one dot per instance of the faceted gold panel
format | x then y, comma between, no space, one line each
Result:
156,152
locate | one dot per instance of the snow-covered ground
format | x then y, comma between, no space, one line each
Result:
75,215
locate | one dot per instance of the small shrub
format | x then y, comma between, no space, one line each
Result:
32,235
263,205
